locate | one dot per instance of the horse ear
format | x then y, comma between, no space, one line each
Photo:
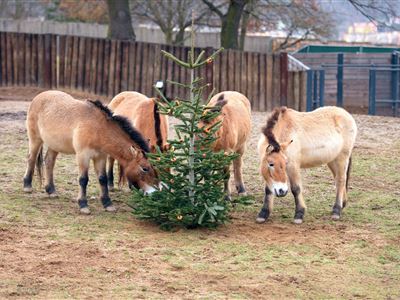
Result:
285,145
133,151
269,149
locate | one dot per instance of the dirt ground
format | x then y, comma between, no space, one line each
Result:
49,251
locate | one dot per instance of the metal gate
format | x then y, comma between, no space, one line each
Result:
377,104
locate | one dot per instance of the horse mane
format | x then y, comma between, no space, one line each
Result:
269,127
124,124
157,123
221,101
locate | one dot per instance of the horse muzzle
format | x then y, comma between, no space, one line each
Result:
280,189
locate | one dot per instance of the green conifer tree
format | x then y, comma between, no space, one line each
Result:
192,192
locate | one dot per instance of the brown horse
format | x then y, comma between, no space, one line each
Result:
89,130
234,131
293,140
143,114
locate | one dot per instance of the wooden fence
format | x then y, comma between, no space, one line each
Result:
107,67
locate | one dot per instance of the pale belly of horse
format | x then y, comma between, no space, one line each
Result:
320,154
58,142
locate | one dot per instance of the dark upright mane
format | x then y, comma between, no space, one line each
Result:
157,122
124,124
267,129
221,101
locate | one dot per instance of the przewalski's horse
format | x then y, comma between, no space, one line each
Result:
89,130
293,140
234,131
143,114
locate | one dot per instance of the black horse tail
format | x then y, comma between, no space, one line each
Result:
39,164
348,174
157,125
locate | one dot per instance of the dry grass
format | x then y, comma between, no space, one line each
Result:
49,251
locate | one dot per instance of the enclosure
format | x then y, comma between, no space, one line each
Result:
48,250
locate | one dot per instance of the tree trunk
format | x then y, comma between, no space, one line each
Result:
120,22
230,24
180,37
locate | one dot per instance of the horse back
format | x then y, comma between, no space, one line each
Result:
236,124
57,118
322,135
143,114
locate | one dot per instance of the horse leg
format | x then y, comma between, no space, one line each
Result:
83,165
227,189
100,168
50,160
267,206
296,188
110,173
339,167
34,149
237,171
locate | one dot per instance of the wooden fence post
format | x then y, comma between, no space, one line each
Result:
284,78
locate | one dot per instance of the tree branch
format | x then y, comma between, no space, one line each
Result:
213,8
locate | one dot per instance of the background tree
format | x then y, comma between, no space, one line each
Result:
298,19
120,22
94,11
230,21
172,16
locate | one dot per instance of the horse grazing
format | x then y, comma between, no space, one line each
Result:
89,130
143,114
233,133
293,140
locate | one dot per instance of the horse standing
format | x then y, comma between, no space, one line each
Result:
143,114
293,140
89,130
233,133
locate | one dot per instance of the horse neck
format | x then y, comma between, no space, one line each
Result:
116,143
283,128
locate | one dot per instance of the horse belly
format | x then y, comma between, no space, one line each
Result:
321,153
58,142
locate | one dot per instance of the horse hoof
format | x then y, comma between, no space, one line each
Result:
27,189
111,208
111,188
335,217
298,221
242,194
260,220
85,211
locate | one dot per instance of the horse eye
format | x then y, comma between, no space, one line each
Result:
271,165
145,169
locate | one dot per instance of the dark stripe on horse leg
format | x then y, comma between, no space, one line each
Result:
28,181
105,198
336,210
83,181
50,189
299,213
265,212
240,189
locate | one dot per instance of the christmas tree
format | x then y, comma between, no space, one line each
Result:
192,192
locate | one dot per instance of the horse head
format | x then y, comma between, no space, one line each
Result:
273,168
139,172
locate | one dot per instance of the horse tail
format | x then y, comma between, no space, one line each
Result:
348,174
39,164
157,125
